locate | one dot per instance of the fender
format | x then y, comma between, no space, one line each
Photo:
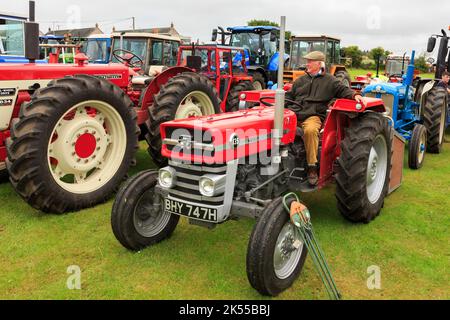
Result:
426,88
333,130
153,89
273,64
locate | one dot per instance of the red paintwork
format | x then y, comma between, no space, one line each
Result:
254,123
31,71
85,145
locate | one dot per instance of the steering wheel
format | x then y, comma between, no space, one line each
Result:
126,57
269,104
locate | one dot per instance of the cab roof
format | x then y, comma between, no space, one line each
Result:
255,29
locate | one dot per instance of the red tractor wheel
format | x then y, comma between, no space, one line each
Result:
72,144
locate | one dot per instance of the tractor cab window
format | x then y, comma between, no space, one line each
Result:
170,53
337,53
225,60
135,45
96,50
205,55
330,52
248,41
317,46
157,53
396,67
299,50
238,61
11,37
270,47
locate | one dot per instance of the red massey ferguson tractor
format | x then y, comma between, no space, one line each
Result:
69,133
239,164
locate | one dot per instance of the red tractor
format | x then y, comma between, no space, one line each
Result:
69,133
239,164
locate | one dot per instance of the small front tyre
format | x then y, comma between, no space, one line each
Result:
138,219
417,147
276,254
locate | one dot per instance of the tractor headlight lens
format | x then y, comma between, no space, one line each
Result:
212,185
167,177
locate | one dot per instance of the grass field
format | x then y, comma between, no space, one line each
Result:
361,72
409,242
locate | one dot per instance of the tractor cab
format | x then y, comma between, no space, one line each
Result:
260,44
396,67
98,49
302,45
223,65
150,48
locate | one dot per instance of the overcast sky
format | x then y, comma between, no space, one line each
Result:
398,26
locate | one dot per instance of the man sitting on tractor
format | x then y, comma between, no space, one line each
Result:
315,91
444,83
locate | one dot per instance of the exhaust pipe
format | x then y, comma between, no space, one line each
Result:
279,97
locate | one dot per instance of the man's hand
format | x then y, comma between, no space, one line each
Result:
358,98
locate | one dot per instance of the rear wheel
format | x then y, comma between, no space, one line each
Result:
435,118
417,147
344,77
364,168
72,144
276,254
138,219
259,82
183,96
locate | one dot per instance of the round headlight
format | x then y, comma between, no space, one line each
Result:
206,187
167,177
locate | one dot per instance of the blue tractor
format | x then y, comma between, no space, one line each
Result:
260,44
405,112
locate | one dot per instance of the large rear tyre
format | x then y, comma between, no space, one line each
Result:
233,95
435,118
276,254
364,168
259,82
137,217
72,144
183,96
344,77
417,147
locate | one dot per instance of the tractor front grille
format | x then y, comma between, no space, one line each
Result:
187,185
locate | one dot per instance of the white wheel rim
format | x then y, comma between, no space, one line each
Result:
87,147
288,251
257,85
195,104
148,219
377,169
422,147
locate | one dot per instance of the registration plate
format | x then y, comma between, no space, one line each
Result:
190,211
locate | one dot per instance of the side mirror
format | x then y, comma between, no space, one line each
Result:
31,31
214,35
431,44
194,62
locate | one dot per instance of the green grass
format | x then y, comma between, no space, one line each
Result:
362,72
409,242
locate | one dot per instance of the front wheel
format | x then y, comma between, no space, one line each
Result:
138,219
417,147
276,254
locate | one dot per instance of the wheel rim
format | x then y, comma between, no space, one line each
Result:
257,86
376,169
422,147
288,251
149,220
195,104
87,147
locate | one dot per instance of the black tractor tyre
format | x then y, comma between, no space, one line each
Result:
134,201
366,140
167,102
234,94
417,147
258,77
434,118
261,271
28,147
344,77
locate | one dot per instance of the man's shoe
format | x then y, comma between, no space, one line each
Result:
313,176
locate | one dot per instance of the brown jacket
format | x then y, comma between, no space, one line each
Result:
315,94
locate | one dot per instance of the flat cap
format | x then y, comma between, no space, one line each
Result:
315,55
